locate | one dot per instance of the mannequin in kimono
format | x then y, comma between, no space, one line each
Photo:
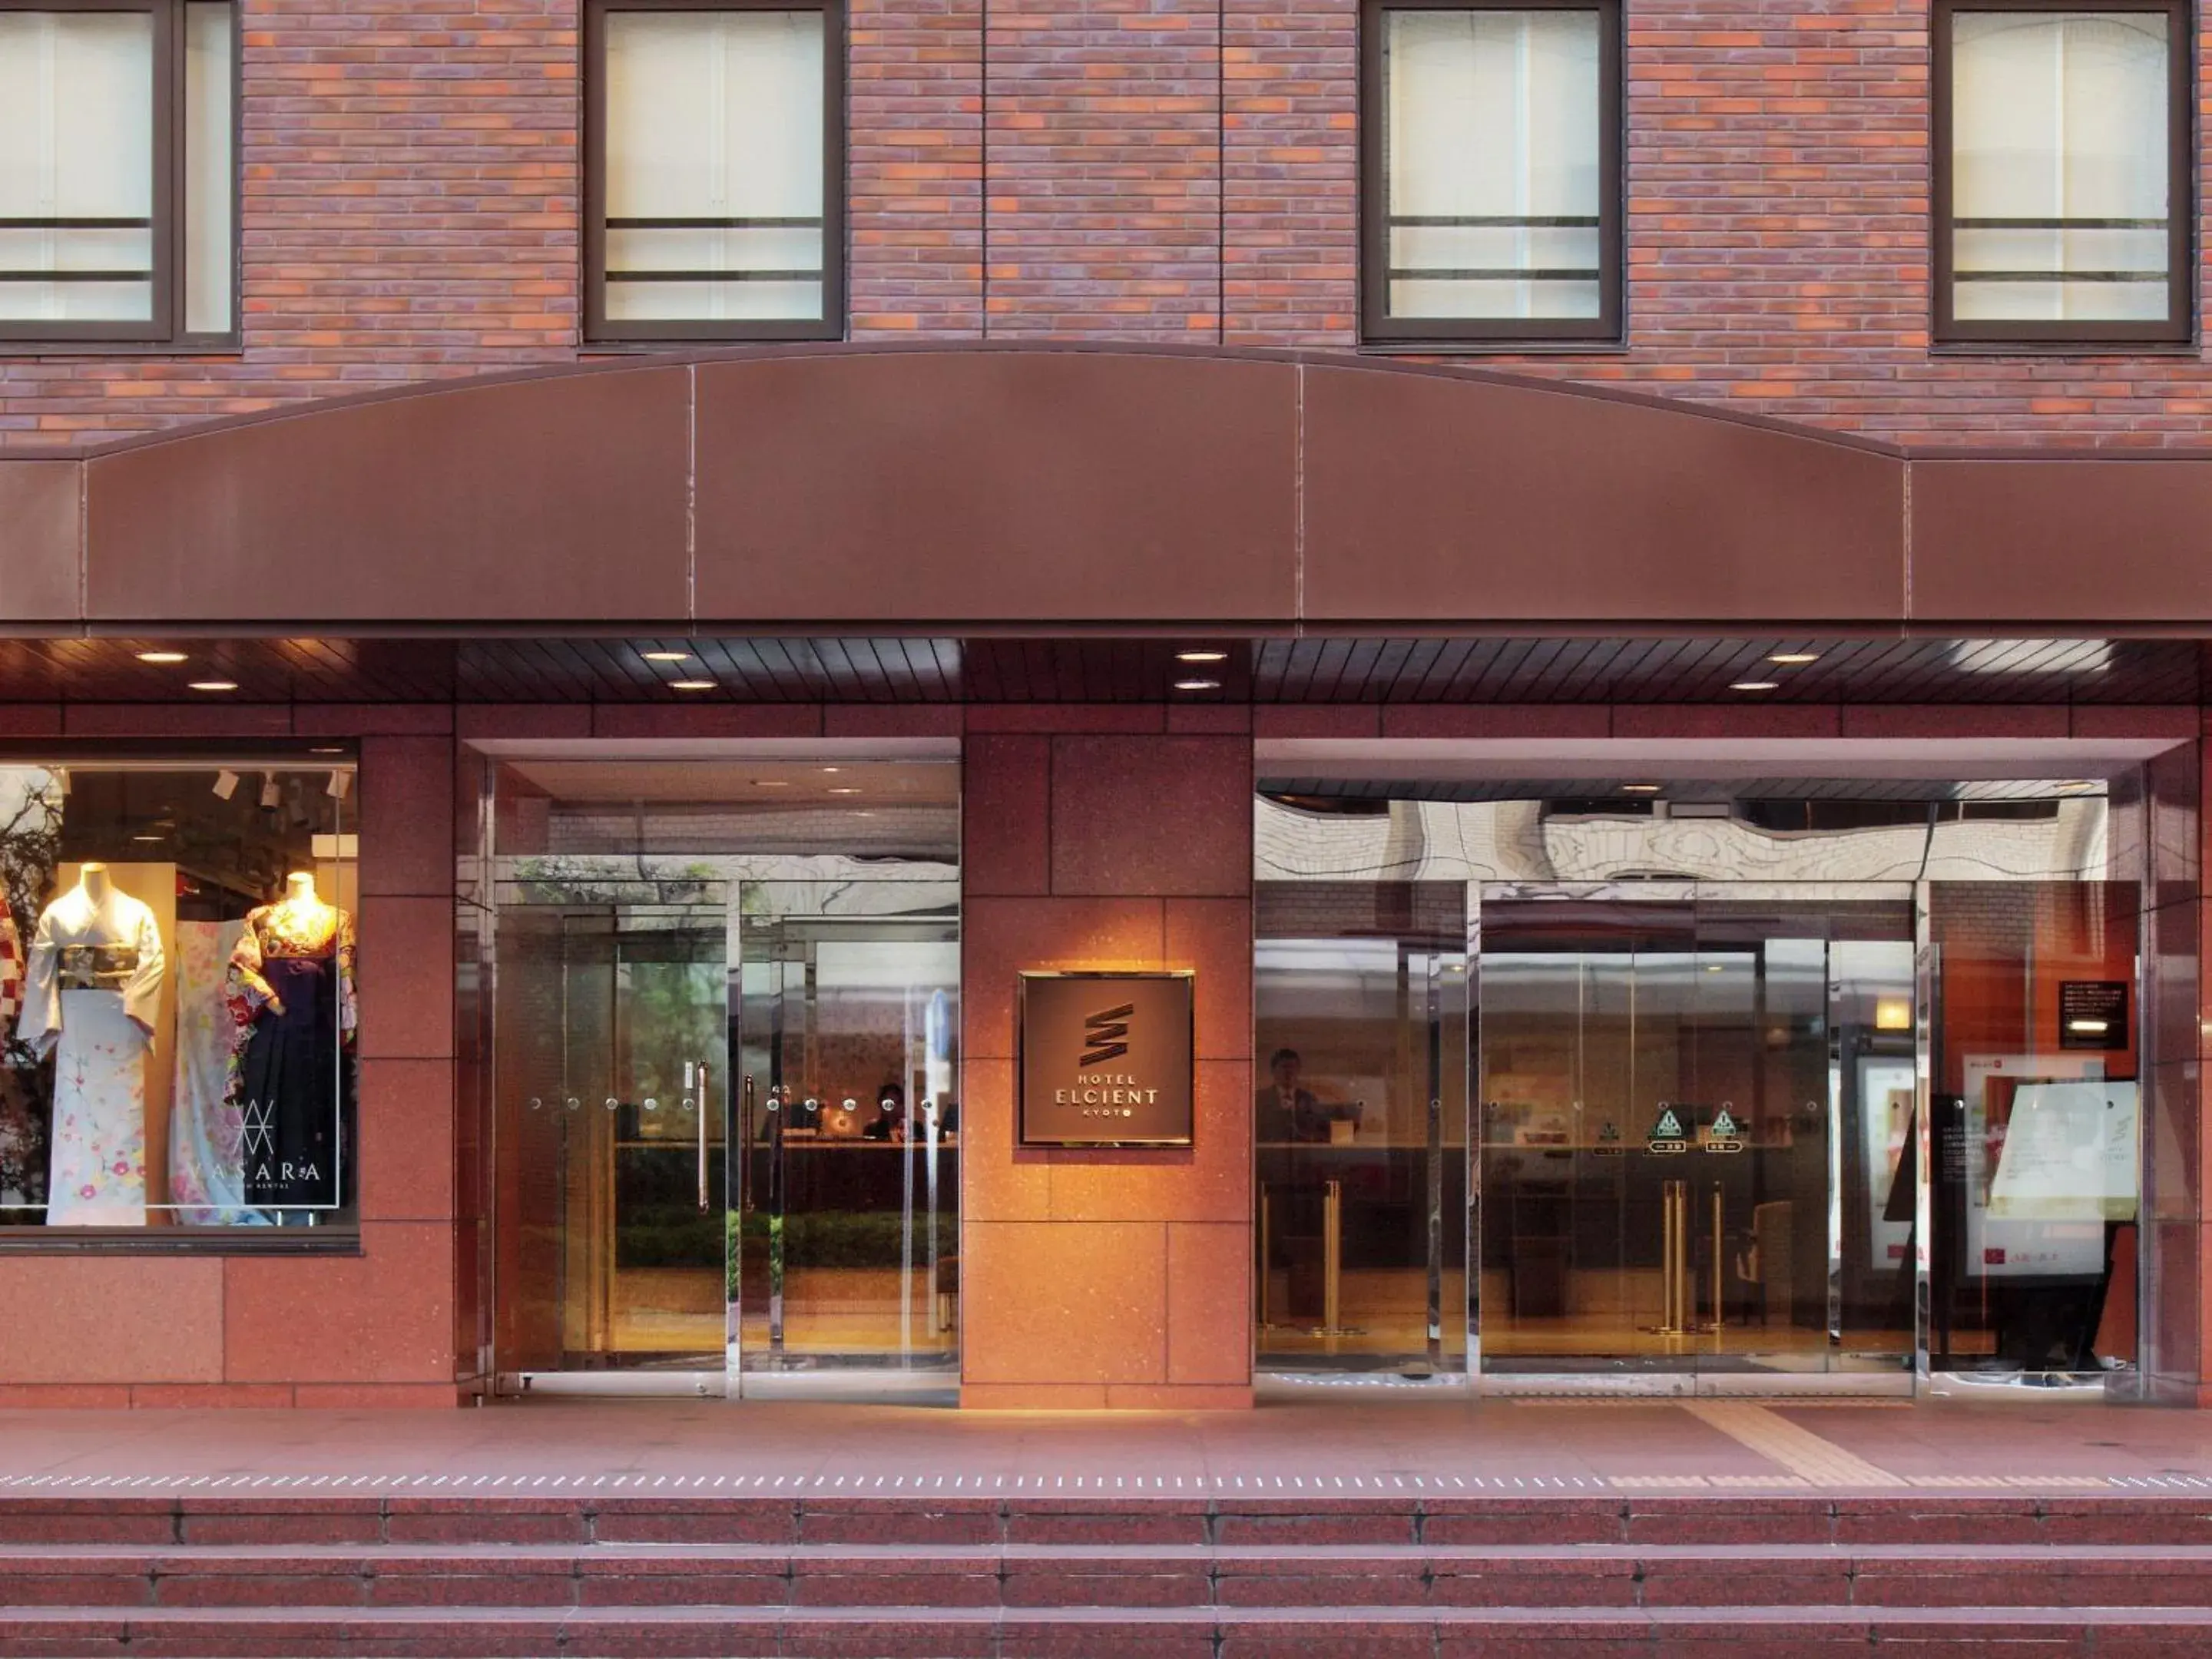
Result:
291,979
93,986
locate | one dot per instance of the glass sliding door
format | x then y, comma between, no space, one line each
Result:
724,1095
849,1216
1360,1125
614,1082
1694,1099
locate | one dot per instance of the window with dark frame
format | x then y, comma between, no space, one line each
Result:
1490,171
2062,164
179,1018
118,172
714,171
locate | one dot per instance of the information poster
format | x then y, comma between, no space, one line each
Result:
2065,1166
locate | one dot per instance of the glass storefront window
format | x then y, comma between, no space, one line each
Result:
1690,1092
178,1009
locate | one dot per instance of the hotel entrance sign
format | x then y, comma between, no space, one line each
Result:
1106,1059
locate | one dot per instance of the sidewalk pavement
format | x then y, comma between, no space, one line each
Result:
1319,1444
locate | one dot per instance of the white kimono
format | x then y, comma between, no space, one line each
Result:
91,988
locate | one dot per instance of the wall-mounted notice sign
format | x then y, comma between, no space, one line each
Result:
1106,1059
2092,1013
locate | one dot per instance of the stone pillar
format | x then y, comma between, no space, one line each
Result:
1107,837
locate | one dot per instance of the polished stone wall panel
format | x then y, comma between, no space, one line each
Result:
111,1320
1105,1277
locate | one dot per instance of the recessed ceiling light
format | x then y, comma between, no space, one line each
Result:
1641,789
690,685
771,783
1198,686
668,656
1793,658
832,769
146,838
1713,967
327,748
1201,656
214,685
161,656
844,789
1756,685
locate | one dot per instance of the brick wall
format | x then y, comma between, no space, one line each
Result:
915,167
1139,169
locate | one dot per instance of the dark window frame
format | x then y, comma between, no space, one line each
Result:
830,325
1376,326
2178,324
165,324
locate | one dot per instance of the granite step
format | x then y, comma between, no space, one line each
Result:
1017,1577
1321,1633
1933,1517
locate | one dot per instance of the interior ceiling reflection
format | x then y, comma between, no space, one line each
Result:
1538,840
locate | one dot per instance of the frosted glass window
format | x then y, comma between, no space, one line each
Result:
2061,205
208,205
713,166
76,167
1493,164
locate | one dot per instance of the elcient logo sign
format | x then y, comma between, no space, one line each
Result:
1106,1059
1103,1032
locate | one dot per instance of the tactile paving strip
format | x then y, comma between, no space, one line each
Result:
1796,1448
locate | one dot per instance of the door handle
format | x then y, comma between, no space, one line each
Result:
743,1150
705,1096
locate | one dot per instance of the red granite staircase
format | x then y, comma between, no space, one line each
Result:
1000,1578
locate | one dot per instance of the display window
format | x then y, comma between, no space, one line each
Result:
178,1009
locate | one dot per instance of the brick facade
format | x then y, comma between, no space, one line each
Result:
1129,169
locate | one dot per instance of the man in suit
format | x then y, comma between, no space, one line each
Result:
1288,1111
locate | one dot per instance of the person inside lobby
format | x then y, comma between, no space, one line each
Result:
1286,1116
1287,1109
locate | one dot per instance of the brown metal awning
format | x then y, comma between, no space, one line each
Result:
961,490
